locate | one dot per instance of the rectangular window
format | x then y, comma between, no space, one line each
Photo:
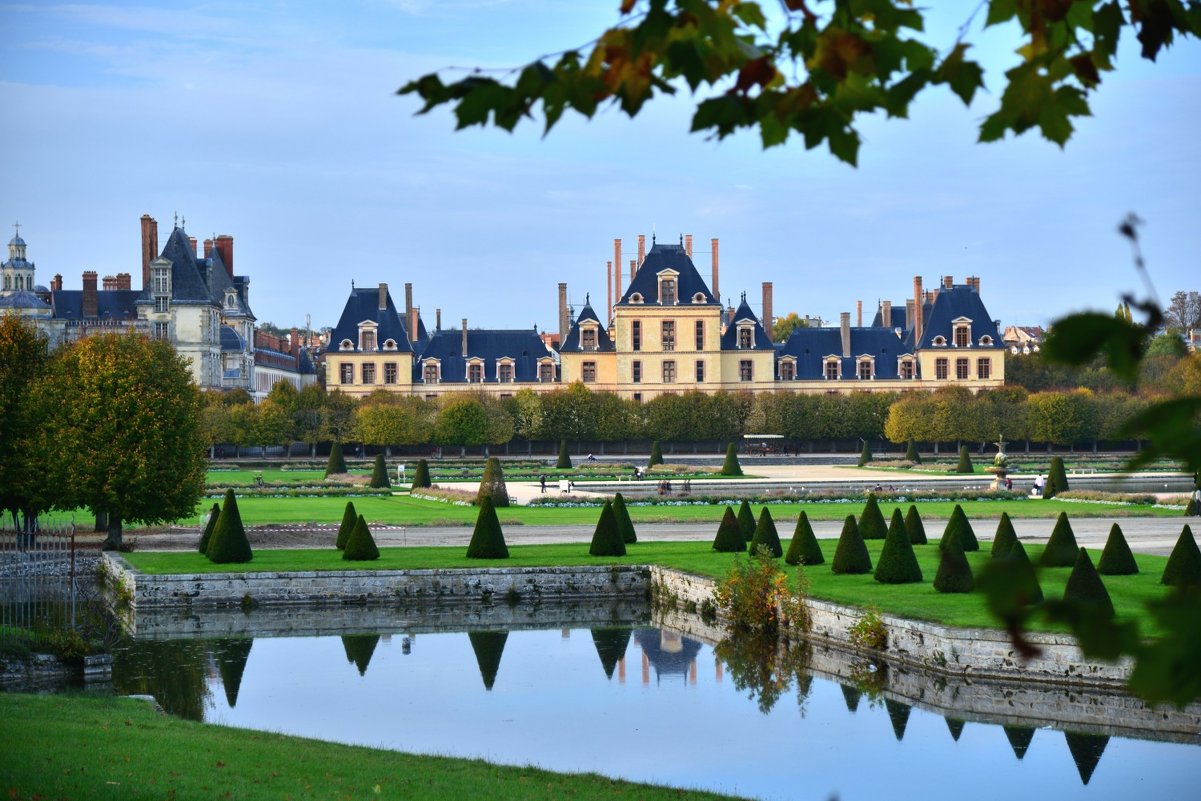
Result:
636,335
546,372
961,336
700,334
667,292
429,373
907,370
390,372
668,335
504,373
160,281
865,370
431,397
637,397
588,338
787,371
669,372
589,372
475,373
366,340
940,369
345,373
984,368
746,337
961,369
700,371
832,370
162,331
369,373
162,304
746,370
636,372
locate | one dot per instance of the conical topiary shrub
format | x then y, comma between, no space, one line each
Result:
746,520
1057,478
1005,537
1085,587
564,462
606,540
1029,591
865,455
628,534
656,456
871,523
897,563
207,536
349,518
1184,565
911,454
954,572
915,527
488,647
1190,508
487,540
336,463
960,528
804,548
766,536
1061,548
730,466
492,484
379,474
229,545
965,461
729,537
360,545
421,476
1116,559
851,555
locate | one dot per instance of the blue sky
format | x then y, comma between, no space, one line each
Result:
277,122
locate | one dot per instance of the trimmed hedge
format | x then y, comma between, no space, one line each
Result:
1061,548
228,544
656,456
360,545
804,548
487,540
349,518
730,466
628,534
871,523
729,537
1085,587
421,476
1184,565
965,461
766,535
898,563
915,527
564,461
379,474
911,453
492,484
336,463
1057,479
954,572
606,540
1005,537
959,528
851,555
1030,592
1116,559
746,520
207,536
865,455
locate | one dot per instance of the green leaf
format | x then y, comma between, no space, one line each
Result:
1077,338
844,145
1107,28
1000,11
484,96
751,14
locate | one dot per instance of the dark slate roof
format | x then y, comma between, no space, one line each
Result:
199,280
729,340
667,257
524,346
810,346
951,304
572,343
23,299
897,315
231,340
362,305
117,304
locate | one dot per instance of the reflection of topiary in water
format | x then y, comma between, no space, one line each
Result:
898,716
746,520
804,548
611,647
851,555
229,544
488,647
915,527
1085,587
628,534
1184,565
230,656
360,545
1116,559
359,649
421,476
1019,739
851,696
349,518
379,474
871,523
730,466
729,537
898,563
207,536
1061,547
487,540
1005,537
606,540
955,727
766,535
336,463
954,572
1086,752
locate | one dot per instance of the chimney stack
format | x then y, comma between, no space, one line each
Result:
909,314
415,323
617,271
225,246
688,244
294,343
564,323
383,297
713,252
609,284
208,248
412,330
886,314
149,247
729,315
437,319
192,242
859,314
57,284
918,305
973,281
948,282
91,306
845,325
633,269
108,283
767,310
464,337
641,249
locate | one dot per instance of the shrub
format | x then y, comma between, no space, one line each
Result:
898,563
1085,587
487,540
336,463
766,536
606,540
1190,509
1028,590
1057,481
379,474
207,536
564,462
228,543
871,522
954,573
492,484
958,527
360,545
729,537
865,455
869,631
421,476
628,534
965,461
1116,559
755,597
851,555
349,518
911,453
1184,565
804,548
730,466
1005,537
656,455
914,526
746,520
1061,548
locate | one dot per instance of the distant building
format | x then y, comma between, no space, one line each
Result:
1023,338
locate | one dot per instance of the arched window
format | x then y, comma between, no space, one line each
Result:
346,344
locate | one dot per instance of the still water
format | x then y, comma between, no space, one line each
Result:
642,703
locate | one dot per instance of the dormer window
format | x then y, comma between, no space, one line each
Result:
787,369
504,371
866,368
986,341
389,344
939,342
475,372
546,371
346,344
905,368
832,369
746,336
431,371
699,297
963,336
231,299
588,338
367,339
668,288
636,298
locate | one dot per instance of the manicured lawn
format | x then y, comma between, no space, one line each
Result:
272,476
120,748
917,601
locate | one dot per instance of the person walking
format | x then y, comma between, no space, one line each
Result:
542,483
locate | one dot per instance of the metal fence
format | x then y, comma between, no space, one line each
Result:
39,586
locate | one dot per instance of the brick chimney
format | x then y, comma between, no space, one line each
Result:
149,247
437,319
225,246
918,300
609,285
633,269
767,308
973,281
383,297
464,345
844,321
208,248
859,314
886,314
641,249
91,305
617,270
564,323
124,281
729,315
908,314
108,283
294,343
948,282
688,245
192,242
713,252
412,329
57,284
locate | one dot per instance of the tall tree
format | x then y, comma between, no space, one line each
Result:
1184,311
24,358
783,327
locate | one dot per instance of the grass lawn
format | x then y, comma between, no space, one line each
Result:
917,601
440,475
120,748
272,476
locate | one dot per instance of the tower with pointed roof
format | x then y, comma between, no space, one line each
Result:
16,272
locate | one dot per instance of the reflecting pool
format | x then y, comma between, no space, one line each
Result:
642,703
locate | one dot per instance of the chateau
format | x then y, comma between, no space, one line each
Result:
667,331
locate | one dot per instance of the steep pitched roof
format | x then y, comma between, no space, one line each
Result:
22,299
603,342
196,280
897,313
952,304
810,346
667,257
523,346
363,306
116,304
729,340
